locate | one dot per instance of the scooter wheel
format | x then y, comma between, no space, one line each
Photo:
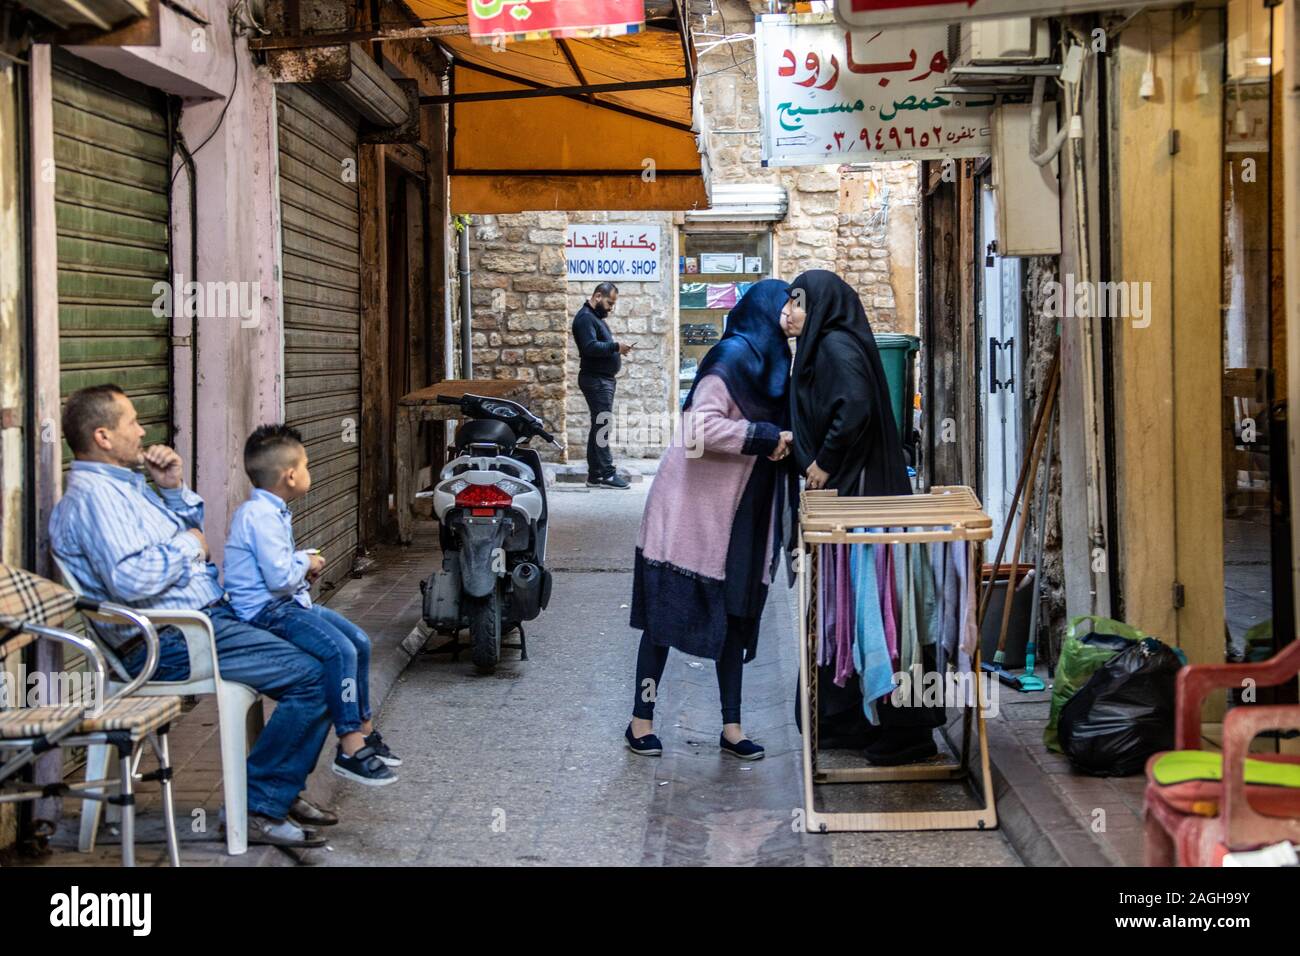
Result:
485,631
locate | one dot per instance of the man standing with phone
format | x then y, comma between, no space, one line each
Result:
601,359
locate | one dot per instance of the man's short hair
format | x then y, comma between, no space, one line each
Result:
86,410
605,288
269,451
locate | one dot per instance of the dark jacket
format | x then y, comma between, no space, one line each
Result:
840,399
596,344
846,429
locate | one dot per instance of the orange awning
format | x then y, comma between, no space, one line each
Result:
611,149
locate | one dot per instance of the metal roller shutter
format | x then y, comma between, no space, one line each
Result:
112,155
321,284
112,151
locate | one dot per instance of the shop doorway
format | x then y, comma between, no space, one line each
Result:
1001,316
1258,613
409,339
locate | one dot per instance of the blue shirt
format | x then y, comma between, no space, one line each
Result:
124,542
261,563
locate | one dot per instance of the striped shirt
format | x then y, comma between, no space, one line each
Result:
126,543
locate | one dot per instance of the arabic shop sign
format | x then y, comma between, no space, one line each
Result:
623,253
492,21
873,14
828,95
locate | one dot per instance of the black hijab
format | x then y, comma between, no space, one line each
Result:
836,320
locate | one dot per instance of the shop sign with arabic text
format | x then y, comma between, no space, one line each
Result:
494,20
828,95
872,14
624,253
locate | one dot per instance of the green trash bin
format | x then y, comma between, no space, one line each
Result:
897,352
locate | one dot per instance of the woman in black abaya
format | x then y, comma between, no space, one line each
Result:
845,438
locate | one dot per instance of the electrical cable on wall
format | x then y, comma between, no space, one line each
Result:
234,34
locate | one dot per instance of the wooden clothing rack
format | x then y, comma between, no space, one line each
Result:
947,513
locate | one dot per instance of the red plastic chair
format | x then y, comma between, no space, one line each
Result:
1198,823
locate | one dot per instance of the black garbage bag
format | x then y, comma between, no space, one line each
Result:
1125,713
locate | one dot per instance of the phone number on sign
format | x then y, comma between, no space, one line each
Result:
885,138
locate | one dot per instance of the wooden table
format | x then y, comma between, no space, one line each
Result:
422,406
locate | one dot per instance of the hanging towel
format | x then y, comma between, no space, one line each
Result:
967,634
927,604
888,606
843,617
827,557
870,651
908,645
820,604
949,604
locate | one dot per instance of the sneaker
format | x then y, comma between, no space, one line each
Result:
609,481
364,767
375,741
745,750
269,832
647,746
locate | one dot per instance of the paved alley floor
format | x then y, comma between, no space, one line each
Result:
527,766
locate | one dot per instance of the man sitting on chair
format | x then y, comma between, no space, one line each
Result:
123,542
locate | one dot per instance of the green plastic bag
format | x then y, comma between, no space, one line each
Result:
1089,643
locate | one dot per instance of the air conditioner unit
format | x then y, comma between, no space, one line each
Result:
996,42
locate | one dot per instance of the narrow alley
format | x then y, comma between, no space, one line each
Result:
528,765
348,347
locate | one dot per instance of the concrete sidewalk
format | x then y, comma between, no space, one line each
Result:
386,604
1051,814
541,741
528,766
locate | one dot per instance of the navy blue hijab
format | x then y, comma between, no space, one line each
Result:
753,356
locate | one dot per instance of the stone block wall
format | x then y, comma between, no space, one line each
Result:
519,297
859,223
645,316
523,307
875,246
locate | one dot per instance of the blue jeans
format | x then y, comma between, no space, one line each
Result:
342,648
289,746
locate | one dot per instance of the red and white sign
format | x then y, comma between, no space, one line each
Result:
493,21
864,14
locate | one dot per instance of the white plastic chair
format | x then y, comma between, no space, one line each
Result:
239,719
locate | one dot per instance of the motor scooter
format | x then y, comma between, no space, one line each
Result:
490,502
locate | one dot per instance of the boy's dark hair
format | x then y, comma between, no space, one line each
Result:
86,410
269,451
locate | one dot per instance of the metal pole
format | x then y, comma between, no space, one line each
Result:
466,321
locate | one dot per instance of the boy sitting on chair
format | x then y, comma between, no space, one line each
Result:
268,582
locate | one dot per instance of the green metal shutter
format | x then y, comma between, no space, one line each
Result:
112,155
112,152
321,285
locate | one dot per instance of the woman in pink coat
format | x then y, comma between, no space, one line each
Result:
706,549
